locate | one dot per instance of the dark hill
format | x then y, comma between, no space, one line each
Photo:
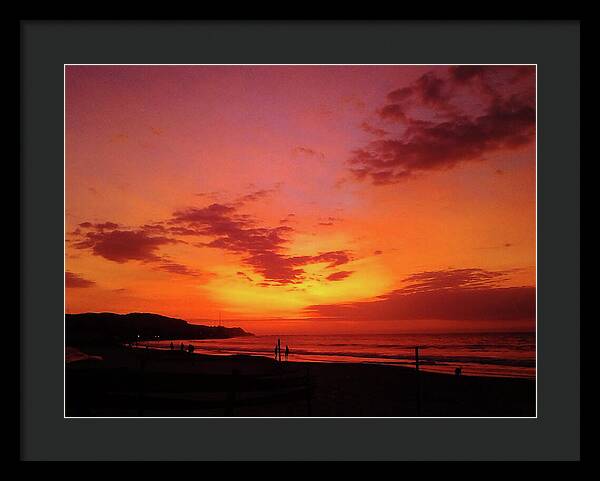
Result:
107,327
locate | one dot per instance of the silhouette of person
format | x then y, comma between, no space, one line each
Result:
279,348
287,352
457,371
181,346
275,350
172,345
190,349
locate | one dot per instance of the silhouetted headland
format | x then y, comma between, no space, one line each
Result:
109,328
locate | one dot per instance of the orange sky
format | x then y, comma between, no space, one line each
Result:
358,198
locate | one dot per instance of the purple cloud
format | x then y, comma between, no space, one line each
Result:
443,120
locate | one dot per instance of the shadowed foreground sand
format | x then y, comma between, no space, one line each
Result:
148,382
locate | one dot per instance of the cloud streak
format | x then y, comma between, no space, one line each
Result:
73,280
339,276
463,295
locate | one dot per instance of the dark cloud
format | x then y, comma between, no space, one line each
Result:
262,248
379,132
465,294
452,279
275,267
329,221
308,152
175,268
338,276
142,244
123,245
444,119
101,226
393,112
332,258
154,228
401,94
483,73
73,280
218,226
210,195
287,219
257,195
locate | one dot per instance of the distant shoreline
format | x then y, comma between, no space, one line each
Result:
506,356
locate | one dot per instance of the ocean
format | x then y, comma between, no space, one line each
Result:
477,354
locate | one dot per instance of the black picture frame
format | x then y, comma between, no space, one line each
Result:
46,46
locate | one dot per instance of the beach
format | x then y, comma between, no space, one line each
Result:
159,382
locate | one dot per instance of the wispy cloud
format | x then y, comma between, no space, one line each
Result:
339,276
464,294
307,152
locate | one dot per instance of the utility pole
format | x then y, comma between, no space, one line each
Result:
418,380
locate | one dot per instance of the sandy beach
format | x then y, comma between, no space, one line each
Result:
151,382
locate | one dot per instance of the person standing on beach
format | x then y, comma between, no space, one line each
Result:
172,347
275,350
181,347
287,352
279,348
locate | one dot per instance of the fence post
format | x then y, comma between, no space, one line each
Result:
418,380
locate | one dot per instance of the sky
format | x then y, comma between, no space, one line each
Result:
303,199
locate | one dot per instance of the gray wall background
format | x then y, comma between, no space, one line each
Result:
47,45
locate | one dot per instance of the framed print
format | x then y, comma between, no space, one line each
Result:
268,243
301,241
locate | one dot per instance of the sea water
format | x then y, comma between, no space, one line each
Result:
480,354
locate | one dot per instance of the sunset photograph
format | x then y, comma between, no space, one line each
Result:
300,240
